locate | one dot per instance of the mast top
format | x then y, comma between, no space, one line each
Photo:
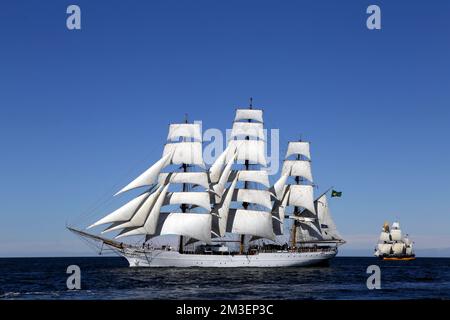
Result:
251,103
185,118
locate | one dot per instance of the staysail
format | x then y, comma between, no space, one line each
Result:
327,226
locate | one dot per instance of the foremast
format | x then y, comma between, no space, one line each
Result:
154,212
185,187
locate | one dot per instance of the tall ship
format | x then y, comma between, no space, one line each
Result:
224,215
392,245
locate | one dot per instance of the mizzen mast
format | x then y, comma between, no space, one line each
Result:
299,195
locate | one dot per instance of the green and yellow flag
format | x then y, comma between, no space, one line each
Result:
335,193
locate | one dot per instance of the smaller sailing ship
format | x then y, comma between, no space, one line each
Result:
392,245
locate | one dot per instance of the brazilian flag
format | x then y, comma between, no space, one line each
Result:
335,193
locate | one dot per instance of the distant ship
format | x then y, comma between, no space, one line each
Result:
227,215
392,245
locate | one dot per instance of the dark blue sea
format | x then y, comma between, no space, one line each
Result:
110,278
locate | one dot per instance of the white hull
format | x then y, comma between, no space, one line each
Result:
164,258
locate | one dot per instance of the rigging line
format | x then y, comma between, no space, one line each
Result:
91,243
106,196
81,220
282,149
284,143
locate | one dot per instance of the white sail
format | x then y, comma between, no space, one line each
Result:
225,176
396,234
141,214
385,236
200,199
308,231
151,223
298,148
250,129
327,225
398,247
407,241
185,130
255,223
150,176
298,168
261,197
249,114
193,225
279,186
409,250
215,172
216,169
221,210
219,187
302,196
278,213
385,248
258,176
185,153
197,178
124,213
251,150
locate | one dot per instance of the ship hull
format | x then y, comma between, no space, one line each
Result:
163,258
404,258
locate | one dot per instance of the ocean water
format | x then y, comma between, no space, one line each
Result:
111,278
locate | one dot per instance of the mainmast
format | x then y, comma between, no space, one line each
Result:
245,150
185,188
296,212
245,204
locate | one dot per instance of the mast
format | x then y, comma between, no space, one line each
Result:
314,220
245,204
183,206
296,210
246,147
299,194
145,214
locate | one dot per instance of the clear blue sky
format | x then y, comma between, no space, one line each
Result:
83,112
